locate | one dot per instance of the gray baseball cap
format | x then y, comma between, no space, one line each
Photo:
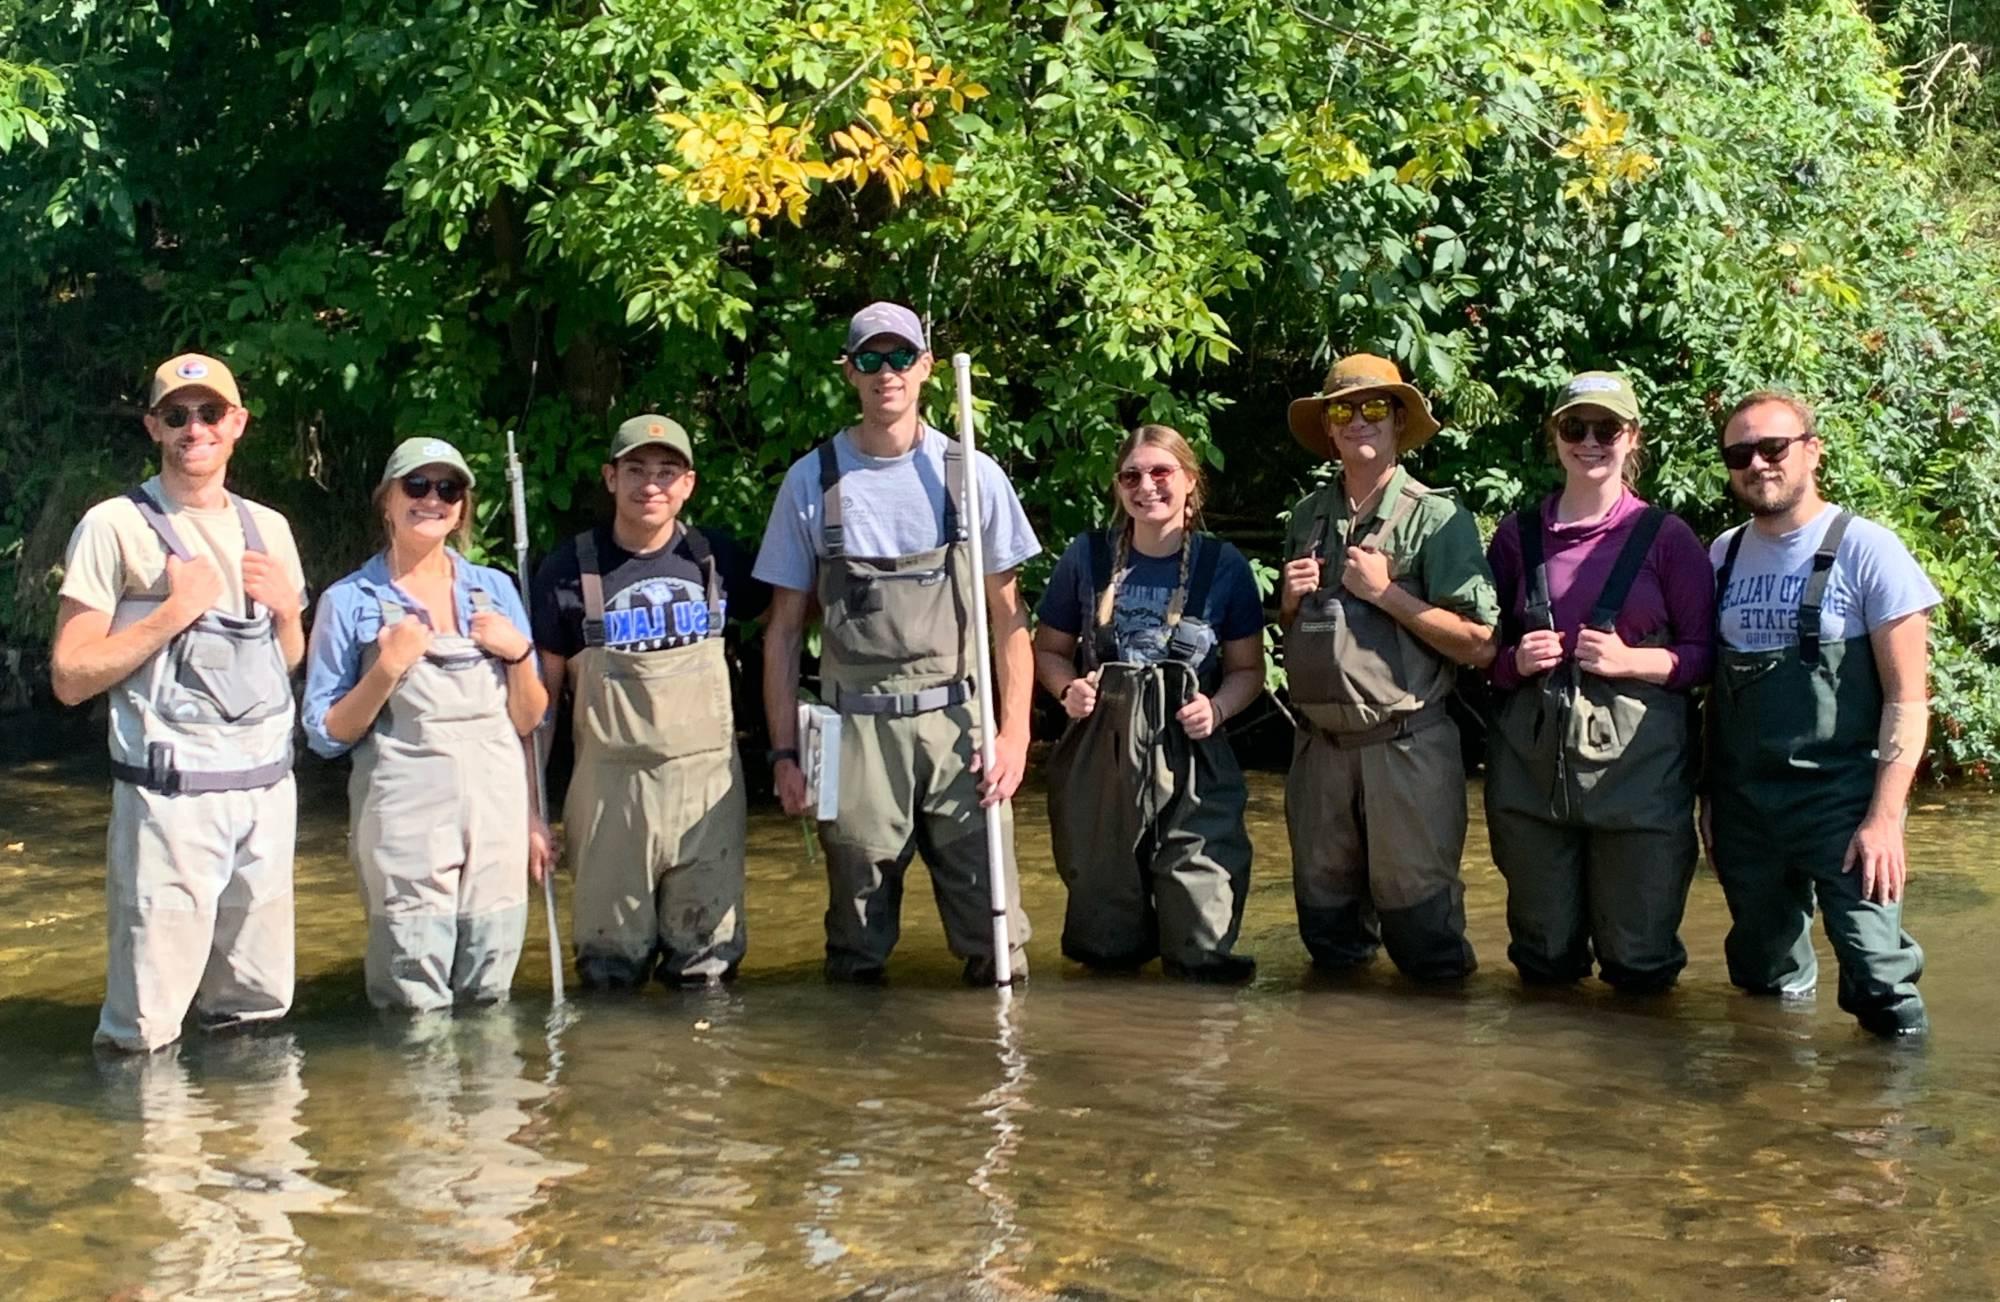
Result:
885,319
650,430
416,453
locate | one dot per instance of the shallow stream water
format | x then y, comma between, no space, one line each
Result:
1086,1138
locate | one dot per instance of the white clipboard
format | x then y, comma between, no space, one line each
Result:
819,758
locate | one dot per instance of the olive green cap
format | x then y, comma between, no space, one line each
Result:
647,430
1606,389
416,453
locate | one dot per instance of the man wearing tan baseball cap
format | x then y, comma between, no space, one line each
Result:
632,615
1387,593
182,602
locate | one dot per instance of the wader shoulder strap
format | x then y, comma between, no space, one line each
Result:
150,512
711,577
1728,566
482,601
1631,559
1815,592
590,573
1100,639
956,468
1405,501
1182,643
829,509
1540,614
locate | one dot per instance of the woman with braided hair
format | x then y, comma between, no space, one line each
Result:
1151,635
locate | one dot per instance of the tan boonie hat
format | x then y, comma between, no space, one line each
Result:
1606,389
416,453
1358,373
650,430
193,371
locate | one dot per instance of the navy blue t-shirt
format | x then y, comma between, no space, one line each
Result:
1231,610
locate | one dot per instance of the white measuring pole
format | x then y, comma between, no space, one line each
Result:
996,844
516,484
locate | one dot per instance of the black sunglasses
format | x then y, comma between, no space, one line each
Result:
418,486
870,361
177,417
1737,456
1603,432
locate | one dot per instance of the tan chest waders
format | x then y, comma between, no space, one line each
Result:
1146,822
203,814
1375,800
655,816
1792,773
895,661
438,811
1590,800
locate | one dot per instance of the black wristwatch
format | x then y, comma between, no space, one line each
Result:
775,757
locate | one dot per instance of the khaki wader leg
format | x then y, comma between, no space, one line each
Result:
1329,854
493,884
198,909
1414,817
699,897
613,849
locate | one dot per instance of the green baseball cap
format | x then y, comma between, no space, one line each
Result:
1606,389
648,430
414,454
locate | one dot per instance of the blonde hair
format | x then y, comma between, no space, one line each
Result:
461,534
1168,440
1799,407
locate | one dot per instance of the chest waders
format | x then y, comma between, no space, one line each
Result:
438,828
655,813
1792,771
1147,823
895,661
203,814
1375,800
1590,800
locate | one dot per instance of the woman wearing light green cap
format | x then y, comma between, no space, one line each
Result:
1607,623
422,668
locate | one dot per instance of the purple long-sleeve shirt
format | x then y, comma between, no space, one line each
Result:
1674,591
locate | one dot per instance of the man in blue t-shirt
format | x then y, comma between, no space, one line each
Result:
870,523
1818,724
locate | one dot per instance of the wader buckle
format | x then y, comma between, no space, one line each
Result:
161,775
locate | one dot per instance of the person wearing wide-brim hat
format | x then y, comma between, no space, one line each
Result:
421,667
1386,593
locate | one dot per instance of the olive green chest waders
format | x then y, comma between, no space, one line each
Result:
1375,801
1590,800
1146,822
655,814
438,813
198,892
895,661
1792,769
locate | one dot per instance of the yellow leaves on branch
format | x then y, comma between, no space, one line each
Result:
1599,144
1317,153
744,159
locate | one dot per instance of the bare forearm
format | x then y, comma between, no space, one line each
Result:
1892,790
81,667
781,686
1450,634
349,718
1239,688
291,639
1014,677
527,699
1054,672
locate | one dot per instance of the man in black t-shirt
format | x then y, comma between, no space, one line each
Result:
630,615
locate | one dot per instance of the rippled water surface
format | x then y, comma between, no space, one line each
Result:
1088,1138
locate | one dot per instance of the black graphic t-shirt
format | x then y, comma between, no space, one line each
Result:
652,600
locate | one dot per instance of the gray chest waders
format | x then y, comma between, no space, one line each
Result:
1147,823
655,815
1375,799
1792,770
1590,800
199,891
438,833
895,661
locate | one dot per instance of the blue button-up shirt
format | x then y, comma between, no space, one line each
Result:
349,618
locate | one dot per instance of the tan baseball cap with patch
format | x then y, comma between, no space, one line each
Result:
193,371
651,430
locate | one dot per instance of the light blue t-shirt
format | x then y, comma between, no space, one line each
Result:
890,506
349,618
1874,580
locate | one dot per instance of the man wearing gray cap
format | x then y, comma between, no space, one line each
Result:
181,602
872,523
631,614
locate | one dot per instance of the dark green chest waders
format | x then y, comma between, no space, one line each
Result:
655,812
896,662
1146,823
1590,800
1375,800
1792,772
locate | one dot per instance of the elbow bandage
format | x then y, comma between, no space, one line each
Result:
1905,724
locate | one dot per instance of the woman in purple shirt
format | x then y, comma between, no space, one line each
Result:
1608,615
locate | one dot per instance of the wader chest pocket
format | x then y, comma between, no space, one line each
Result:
653,706
227,675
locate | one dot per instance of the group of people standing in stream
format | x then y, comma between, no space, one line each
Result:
1596,617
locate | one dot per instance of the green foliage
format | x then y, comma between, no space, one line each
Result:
389,213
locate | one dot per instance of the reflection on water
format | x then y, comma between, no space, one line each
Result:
1083,1138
